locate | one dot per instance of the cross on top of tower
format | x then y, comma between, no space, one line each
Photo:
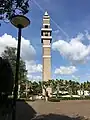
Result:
46,13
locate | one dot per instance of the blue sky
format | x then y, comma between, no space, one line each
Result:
73,17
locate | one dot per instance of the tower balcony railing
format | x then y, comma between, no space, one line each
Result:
46,29
46,37
47,46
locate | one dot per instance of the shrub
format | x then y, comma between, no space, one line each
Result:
87,97
53,99
25,100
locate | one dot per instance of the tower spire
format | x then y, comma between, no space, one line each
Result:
46,13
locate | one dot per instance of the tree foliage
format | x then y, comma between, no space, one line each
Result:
35,88
11,54
6,77
72,87
63,85
9,8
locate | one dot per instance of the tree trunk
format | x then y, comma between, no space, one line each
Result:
26,89
19,91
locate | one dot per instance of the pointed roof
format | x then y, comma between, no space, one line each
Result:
46,13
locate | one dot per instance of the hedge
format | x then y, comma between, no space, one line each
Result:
24,99
54,99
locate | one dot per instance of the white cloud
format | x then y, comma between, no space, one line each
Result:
34,78
88,75
56,31
7,40
28,52
33,67
77,78
75,50
65,70
87,35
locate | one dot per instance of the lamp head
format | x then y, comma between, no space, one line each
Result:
20,21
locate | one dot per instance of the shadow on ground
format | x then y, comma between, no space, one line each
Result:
58,117
24,111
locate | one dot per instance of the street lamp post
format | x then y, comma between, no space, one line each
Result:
20,22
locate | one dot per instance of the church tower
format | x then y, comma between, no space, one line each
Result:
46,40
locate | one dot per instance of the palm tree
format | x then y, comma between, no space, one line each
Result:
85,86
82,88
53,85
39,88
27,88
77,87
22,88
70,88
88,84
48,84
44,87
74,87
57,87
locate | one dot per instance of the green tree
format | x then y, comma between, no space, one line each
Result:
88,84
9,8
53,85
10,54
36,88
39,88
85,86
44,85
74,88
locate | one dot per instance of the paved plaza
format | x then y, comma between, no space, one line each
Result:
26,110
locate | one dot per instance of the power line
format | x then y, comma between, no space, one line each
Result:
38,6
52,20
60,28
